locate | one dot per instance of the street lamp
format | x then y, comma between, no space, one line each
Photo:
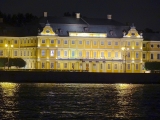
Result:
125,56
8,46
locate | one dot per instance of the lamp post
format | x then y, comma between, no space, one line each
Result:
8,46
125,56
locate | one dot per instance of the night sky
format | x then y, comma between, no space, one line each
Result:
143,13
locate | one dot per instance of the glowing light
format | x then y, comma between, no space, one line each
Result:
87,34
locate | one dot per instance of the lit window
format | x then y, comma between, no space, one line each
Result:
51,52
43,41
43,52
1,52
52,41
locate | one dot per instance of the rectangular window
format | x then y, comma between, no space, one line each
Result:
65,42
109,66
137,43
116,54
43,52
87,54
158,56
21,53
43,65
95,42
115,66
151,55
144,45
31,41
87,42
73,42
15,41
144,56
65,65
136,66
101,66
80,53
15,53
52,65
58,65
24,53
109,42
109,54
73,54
129,43
128,55
102,54
51,53
59,42
102,42
137,55
43,41
59,53
1,52
94,66
65,53
80,42
116,43
95,55
52,41
128,66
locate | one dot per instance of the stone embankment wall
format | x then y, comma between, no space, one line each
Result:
78,77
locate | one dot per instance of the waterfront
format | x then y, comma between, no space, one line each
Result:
79,101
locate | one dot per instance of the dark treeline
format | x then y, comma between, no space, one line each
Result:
17,62
17,19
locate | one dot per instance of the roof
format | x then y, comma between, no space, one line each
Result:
151,36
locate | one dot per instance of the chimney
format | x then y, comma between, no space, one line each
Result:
45,14
109,17
77,15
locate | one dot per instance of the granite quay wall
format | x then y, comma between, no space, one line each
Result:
78,77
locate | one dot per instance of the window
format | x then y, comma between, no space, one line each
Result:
73,42
94,66
43,65
73,54
116,54
80,53
65,65
109,54
144,56
31,41
24,41
1,41
51,53
128,55
52,41
109,42
137,43
115,66
128,66
80,42
102,42
95,55
137,55
65,41
43,52
58,65
21,53
152,46
43,41
65,53
151,55
95,42
158,56
102,54
59,42
87,54
24,53
158,46
144,45
52,65
15,41
1,52
15,53
116,43
28,53
101,66
129,43
87,42
109,66
136,66
59,53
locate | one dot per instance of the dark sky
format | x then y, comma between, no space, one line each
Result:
143,13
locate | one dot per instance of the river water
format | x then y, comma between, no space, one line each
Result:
49,101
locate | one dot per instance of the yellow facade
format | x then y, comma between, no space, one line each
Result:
81,53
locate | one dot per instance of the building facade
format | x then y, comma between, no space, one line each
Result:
56,48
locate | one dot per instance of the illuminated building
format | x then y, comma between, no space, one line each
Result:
82,44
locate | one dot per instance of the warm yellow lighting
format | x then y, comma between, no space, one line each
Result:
11,45
122,48
87,34
6,45
132,47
